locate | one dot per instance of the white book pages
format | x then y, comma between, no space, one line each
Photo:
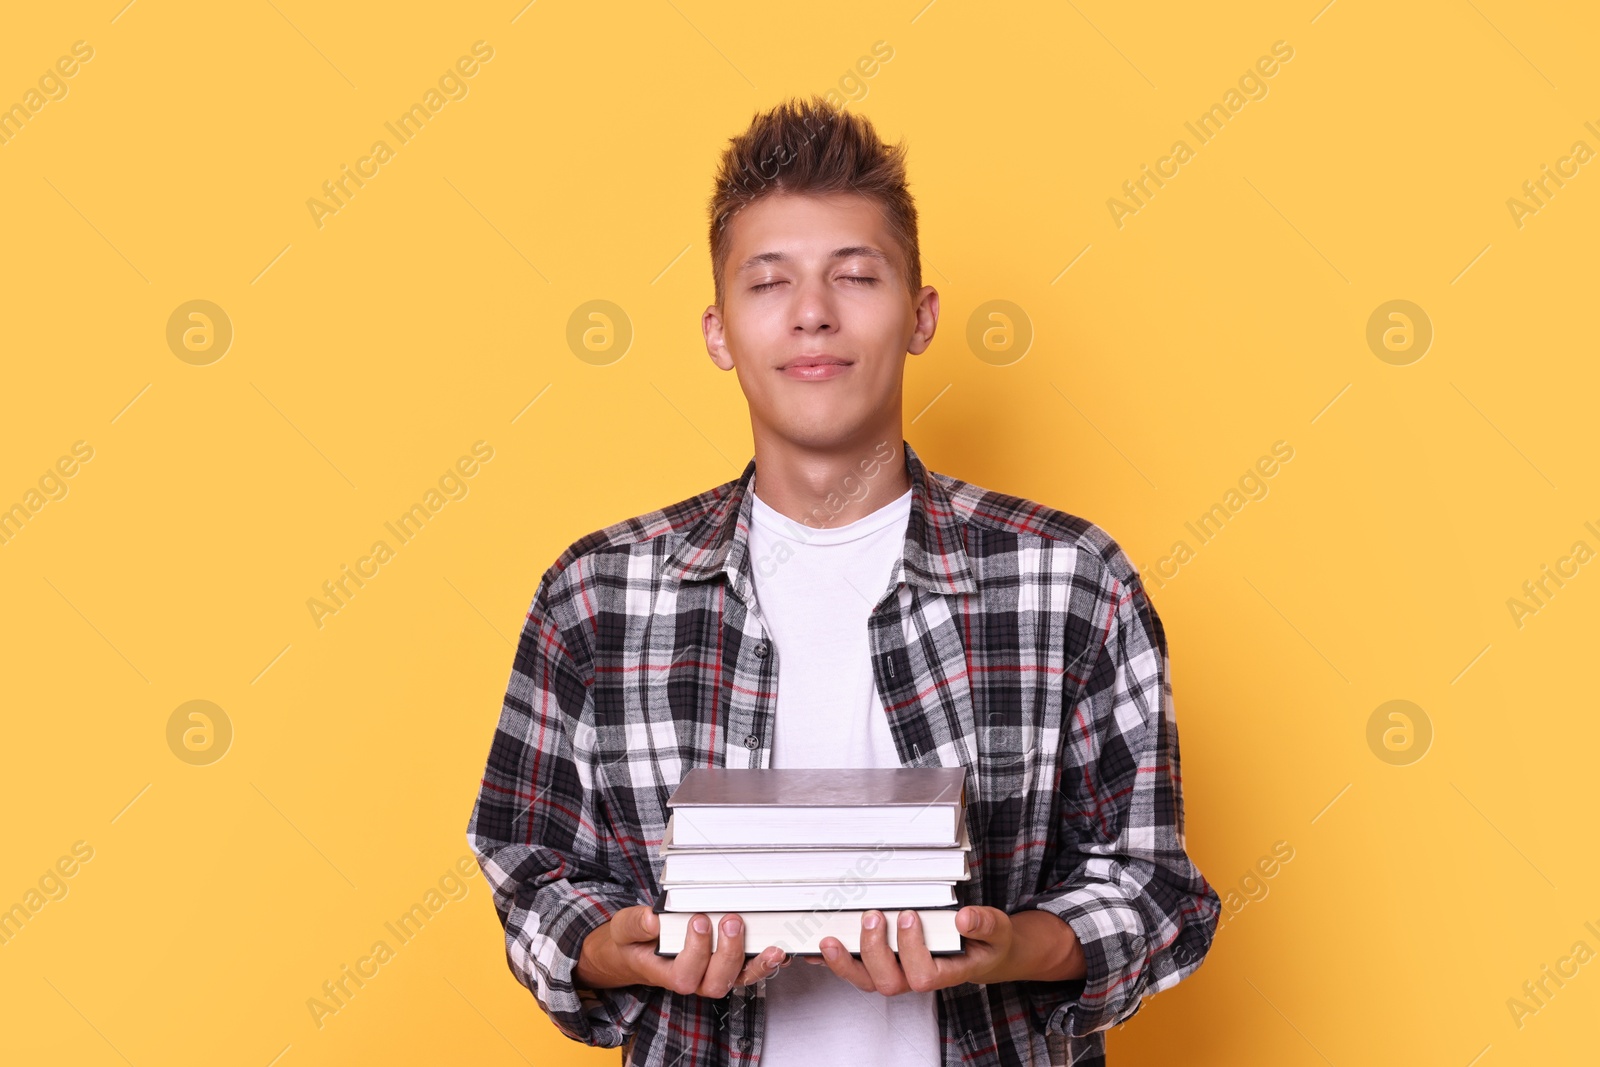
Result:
799,896
800,933
670,843
932,825
813,865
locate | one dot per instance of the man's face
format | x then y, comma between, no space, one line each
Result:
813,278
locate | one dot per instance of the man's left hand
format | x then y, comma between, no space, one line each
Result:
1032,945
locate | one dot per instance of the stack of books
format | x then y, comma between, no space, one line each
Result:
802,854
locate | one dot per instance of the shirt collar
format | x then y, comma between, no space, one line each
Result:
934,556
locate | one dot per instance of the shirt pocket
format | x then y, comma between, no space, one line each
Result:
1008,765
1008,758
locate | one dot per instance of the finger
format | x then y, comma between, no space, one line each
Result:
727,960
915,960
634,932
652,969
762,966
690,965
635,924
977,923
987,934
878,957
839,962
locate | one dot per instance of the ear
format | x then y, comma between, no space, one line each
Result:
927,312
716,345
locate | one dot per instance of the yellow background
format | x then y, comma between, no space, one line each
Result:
428,313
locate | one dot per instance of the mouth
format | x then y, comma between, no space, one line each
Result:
815,368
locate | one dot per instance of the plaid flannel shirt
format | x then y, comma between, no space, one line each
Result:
1013,639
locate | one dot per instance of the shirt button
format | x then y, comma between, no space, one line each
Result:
761,650
744,1044
752,742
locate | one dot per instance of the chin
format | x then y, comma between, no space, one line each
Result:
807,418
822,435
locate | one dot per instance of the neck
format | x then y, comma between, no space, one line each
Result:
833,486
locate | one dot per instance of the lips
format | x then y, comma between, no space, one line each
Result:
815,368
814,361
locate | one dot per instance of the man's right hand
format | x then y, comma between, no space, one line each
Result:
622,951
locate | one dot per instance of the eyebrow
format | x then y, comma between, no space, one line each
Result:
847,252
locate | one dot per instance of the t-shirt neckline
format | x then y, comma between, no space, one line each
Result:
775,521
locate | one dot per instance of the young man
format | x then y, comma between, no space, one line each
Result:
846,608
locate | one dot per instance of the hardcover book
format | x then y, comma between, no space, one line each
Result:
898,806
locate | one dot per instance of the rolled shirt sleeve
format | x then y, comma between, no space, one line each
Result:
1122,878
534,829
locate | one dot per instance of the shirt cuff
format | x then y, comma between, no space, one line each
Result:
1115,951
547,960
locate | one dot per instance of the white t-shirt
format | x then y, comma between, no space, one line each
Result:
816,589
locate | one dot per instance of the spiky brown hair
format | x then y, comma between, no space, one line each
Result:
810,146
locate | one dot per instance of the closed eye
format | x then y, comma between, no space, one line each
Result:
848,277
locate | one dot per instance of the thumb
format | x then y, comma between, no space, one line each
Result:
976,922
634,924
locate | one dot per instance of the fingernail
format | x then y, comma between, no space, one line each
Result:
870,921
906,918
702,925
830,951
731,926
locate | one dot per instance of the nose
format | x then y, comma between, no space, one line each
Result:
814,311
